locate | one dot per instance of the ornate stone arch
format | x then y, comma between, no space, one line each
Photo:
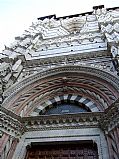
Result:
90,105
91,83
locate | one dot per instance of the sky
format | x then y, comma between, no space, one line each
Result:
17,15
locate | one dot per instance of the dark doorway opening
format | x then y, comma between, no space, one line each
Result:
62,150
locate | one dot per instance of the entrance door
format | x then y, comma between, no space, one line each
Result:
63,151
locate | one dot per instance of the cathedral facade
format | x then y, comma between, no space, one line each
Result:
59,88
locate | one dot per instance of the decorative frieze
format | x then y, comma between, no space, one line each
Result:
62,121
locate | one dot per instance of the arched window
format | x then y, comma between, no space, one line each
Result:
66,108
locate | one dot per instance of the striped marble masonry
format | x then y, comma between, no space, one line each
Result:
76,99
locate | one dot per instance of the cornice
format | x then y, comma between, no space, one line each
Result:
10,123
59,60
16,126
62,121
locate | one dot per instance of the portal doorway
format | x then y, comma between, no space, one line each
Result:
85,150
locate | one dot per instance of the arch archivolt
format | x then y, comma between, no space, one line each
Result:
31,101
65,98
72,80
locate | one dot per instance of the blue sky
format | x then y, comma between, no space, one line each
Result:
17,15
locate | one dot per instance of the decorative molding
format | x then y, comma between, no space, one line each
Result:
114,81
16,126
58,99
10,123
